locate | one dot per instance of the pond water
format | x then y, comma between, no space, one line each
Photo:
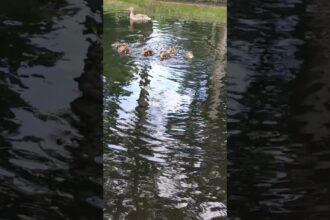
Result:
164,121
49,165
278,109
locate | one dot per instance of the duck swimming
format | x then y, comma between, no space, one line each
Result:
164,55
189,55
147,52
170,50
118,44
167,54
121,48
138,17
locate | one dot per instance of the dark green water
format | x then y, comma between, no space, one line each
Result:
164,121
50,159
278,95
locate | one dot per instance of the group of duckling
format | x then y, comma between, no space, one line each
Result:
123,49
164,55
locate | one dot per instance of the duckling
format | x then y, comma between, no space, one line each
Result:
189,55
121,48
170,51
147,52
164,55
118,44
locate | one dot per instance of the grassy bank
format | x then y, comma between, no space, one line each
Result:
162,10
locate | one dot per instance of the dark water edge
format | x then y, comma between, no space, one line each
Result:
278,110
51,110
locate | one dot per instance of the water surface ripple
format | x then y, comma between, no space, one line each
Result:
44,151
278,110
164,121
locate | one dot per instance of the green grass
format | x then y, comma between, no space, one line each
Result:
164,10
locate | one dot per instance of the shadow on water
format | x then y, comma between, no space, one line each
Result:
164,121
278,114
42,173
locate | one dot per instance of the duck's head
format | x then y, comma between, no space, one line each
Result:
131,8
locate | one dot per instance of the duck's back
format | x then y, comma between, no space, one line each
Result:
141,17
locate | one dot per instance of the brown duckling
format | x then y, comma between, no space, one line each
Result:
164,55
147,52
118,44
121,48
189,55
170,51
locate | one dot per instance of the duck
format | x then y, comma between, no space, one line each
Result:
118,44
170,50
121,48
189,55
164,55
138,17
147,52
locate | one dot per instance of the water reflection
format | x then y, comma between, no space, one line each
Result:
276,138
164,122
43,51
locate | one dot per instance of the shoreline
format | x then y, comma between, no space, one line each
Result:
170,9
201,4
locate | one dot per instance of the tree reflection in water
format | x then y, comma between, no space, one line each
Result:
274,148
164,121
39,169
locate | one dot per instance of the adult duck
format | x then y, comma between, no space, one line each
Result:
138,17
